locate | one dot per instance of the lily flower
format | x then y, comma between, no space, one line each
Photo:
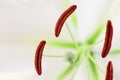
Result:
84,50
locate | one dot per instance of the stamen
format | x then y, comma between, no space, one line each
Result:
63,18
108,39
38,57
109,71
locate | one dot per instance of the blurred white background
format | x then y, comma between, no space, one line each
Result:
23,23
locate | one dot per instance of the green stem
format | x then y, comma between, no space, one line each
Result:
66,72
92,45
93,68
96,34
116,51
91,58
62,44
53,56
74,74
88,72
71,36
80,56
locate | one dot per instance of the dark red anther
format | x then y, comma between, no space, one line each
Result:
38,57
109,71
63,18
108,39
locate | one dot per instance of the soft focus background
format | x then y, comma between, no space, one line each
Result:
24,23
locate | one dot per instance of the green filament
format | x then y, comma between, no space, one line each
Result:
71,36
53,56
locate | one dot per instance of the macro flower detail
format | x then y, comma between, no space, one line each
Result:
81,50
109,71
108,39
38,57
62,19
